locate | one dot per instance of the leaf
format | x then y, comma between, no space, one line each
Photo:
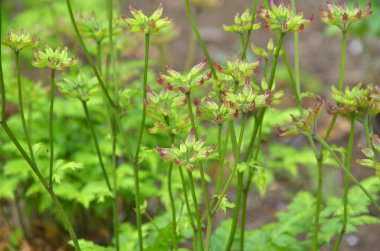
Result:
62,167
90,246
224,204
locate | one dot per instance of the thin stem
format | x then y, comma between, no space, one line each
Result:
296,56
51,158
342,60
61,211
346,184
2,88
367,132
99,55
196,206
200,40
245,46
139,141
88,56
346,171
183,181
221,160
112,120
172,202
97,148
201,171
21,107
235,217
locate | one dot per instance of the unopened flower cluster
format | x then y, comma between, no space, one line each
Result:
91,27
81,87
19,40
242,23
55,59
370,154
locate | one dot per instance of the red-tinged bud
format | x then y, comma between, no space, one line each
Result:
329,15
218,118
160,80
356,6
285,26
266,26
184,90
217,66
345,17
152,24
267,15
146,102
301,28
208,75
341,4
197,102
359,15
199,113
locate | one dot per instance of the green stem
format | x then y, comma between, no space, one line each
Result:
245,46
196,206
296,56
114,127
21,107
203,180
235,217
346,184
367,132
183,181
221,160
139,141
35,169
343,60
95,139
99,55
51,159
2,88
346,171
200,40
88,56
172,202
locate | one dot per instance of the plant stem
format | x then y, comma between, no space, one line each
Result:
99,55
21,107
342,60
367,132
346,171
200,40
88,56
183,181
196,206
51,159
114,127
45,184
139,141
235,217
172,202
95,139
346,184
203,180
221,160
245,46
2,88
296,56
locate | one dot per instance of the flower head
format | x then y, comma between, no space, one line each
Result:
247,99
91,27
188,153
238,70
283,18
18,40
81,87
342,16
358,101
303,125
187,81
208,109
142,23
54,59
242,23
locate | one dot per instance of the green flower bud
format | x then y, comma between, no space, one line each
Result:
90,27
242,23
81,87
208,109
19,40
54,59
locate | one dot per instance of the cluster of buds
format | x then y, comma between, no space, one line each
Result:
188,153
55,59
264,53
185,82
242,23
358,101
370,160
206,4
208,109
19,40
90,27
163,109
283,18
247,99
302,125
237,71
342,16
149,25
81,87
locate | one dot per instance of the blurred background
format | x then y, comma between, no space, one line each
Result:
320,63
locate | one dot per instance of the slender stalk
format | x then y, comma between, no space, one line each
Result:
346,185
342,60
203,180
245,46
191,217
367,132
139,141
114,127
99,55
196,206
346,171
172,202
2,88
21,107
51,135
97,148
235,217
296,56
88,56
221,160
35,169
200,40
